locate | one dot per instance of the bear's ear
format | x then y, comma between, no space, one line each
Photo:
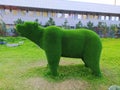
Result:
28,23
20,28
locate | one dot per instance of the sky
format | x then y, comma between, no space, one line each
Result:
111,2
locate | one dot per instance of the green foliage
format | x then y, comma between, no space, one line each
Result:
18,21
65,24
50,22
114,27
103,27
79,25
2,28
37,21
57,42
90,25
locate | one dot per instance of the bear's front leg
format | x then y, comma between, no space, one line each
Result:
53,54
52,47
53,62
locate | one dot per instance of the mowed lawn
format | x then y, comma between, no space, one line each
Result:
25,68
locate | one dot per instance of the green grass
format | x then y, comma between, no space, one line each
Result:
24,68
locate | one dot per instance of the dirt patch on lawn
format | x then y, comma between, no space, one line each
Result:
41,84
63,61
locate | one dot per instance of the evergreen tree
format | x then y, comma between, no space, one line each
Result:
90,25
18,21
2,28
50,22
65,24
114,27
37,21
79,25
102,26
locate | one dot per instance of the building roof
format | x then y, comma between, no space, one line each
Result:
63,5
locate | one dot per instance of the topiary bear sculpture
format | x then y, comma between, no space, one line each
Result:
56,42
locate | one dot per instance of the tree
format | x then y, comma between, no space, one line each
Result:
65,24
50,22
103,28
119,26
79,25
114,29
37,21
90,25
18,21
2,28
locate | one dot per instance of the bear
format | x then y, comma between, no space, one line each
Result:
58,42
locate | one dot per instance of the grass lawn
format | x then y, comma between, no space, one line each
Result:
24,68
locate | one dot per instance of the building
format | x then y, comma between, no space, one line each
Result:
59,10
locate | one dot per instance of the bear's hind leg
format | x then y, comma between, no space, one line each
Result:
91,60
93,64
84,62
91,54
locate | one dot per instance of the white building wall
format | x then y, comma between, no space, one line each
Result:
9,16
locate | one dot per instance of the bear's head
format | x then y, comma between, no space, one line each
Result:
28,29
31,30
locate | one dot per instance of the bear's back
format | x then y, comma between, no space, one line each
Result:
74,42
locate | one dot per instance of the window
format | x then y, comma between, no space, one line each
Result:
107,17
23,12
45,13
37,13
117,18
71,15
96,17
7,11
66,15
31,13
7,26
113,18
90,16
84,16
79,16
0,10
14,12
102,17
53,14
59,15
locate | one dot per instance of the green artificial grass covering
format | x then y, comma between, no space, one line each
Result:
56,43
